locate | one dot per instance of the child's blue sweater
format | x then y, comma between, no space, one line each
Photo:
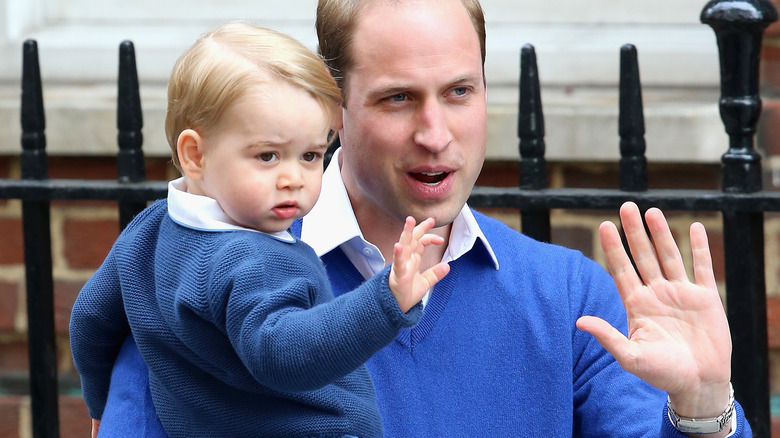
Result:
240,331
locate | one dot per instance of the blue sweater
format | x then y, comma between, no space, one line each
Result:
497,353
240,330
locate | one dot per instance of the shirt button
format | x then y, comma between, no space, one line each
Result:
367,251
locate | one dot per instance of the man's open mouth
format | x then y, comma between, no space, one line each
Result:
430,178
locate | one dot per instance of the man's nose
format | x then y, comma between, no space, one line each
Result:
432,130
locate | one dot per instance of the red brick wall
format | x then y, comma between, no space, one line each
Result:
82,234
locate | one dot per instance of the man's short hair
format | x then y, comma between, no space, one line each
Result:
227,62
336,23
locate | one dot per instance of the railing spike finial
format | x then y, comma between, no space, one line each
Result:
530,126
631,124
33,120
530,129
739,27
129,122
129,118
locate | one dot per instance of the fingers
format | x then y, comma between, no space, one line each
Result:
406,282
618,263
655,259
407,252
414,239
703,273
666,249
639,243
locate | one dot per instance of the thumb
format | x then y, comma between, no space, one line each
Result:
435,274
610,338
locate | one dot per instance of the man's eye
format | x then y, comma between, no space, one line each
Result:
267,156
310,156
400,97
460,91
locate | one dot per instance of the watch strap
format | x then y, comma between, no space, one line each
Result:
702,425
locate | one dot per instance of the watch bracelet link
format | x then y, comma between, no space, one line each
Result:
702,425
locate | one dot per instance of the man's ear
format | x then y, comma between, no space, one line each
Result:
338,120
189,148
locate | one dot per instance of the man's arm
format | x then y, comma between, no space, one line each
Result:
678,335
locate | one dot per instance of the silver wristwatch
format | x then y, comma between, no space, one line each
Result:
702,425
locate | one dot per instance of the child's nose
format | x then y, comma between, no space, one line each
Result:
290,177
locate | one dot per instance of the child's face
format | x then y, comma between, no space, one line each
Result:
262,162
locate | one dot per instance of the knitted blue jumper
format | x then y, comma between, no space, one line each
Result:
240,330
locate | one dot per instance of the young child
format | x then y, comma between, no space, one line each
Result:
234,317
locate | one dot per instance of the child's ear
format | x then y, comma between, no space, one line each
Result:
189,148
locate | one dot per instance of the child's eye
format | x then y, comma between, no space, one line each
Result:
267,157
310,156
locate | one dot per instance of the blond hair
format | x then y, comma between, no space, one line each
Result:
336,22
225,63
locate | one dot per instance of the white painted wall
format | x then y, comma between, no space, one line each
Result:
577,44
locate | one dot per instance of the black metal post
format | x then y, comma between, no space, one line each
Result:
739,27
37,255
129,121
530,129
631,124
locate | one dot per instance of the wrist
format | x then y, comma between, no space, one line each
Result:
704,425
705,401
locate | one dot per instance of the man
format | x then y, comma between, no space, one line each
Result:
497,351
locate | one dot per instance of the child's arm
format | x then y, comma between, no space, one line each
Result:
98,326
408,284
289,343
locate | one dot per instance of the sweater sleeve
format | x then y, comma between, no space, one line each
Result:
98,327
292,335
98,324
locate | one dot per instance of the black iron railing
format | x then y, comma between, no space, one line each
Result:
738,26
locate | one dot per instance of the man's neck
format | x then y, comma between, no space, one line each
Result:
384,231
385,241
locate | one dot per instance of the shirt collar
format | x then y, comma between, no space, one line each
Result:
204,213
332,222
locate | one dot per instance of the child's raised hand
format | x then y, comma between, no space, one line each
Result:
407,283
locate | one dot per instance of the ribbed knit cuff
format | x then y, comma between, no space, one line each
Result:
390,306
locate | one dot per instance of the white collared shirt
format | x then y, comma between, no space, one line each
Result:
331,223
204,213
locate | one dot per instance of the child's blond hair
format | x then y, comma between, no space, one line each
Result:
226,62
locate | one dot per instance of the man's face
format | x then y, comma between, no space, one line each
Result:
414,122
